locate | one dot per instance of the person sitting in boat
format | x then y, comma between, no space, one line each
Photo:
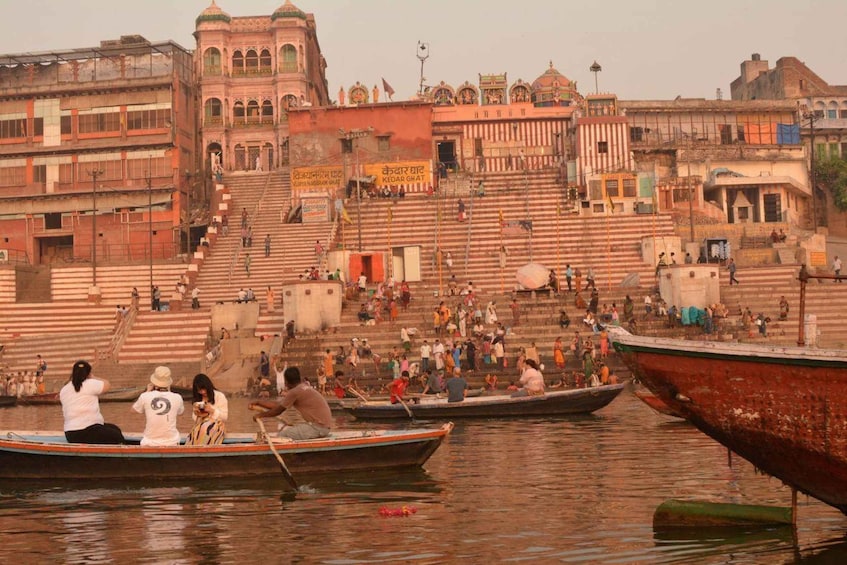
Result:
457,386
210,413
311,405
532,381
160,407
398,387
81,408
433,384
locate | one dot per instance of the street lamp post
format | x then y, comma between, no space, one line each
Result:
350,136
150,221
94,174
811,117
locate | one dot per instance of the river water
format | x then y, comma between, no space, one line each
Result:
563,490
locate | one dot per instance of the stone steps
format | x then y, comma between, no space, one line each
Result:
164,337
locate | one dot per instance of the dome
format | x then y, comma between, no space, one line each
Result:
288,10
553,89
550,76
212,14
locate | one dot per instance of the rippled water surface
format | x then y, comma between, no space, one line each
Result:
571,490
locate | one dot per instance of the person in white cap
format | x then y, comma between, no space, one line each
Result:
161,408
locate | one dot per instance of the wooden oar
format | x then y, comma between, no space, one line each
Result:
357,393
285,472
406,406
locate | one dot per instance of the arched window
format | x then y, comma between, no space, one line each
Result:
212,62
238,112
237,63
265,61
267,111
288,59
252,111
252,61
213,111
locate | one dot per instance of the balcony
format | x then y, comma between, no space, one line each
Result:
828,124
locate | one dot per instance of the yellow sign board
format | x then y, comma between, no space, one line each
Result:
400,172
310,178
817,259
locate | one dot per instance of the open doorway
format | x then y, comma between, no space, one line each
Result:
52,250
447,155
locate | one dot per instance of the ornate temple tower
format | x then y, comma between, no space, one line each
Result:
251,71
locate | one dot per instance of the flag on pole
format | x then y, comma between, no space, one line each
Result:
611,203
388,90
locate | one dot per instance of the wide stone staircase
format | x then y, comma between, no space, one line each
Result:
609,244
266,197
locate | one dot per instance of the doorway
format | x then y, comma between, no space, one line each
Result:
447,154
773,211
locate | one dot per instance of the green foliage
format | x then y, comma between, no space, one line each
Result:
831,175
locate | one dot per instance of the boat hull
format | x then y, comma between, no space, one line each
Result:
8,400
44,456
577,401
784,409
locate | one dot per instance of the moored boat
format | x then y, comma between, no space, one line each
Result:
784,409
8,400
39,399
127,394
552,403
47,455
656,403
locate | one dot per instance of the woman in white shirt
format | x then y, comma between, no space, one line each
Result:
532,381
210,413
81,408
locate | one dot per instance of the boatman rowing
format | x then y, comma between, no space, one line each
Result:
311,405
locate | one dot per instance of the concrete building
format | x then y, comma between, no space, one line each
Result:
251,70
740,161
92,141
821,109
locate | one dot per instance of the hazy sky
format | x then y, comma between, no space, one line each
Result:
647,48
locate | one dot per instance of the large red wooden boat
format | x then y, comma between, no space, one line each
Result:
782,408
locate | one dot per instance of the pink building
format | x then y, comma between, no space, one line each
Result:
251,70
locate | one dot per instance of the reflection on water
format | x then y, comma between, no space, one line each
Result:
577,490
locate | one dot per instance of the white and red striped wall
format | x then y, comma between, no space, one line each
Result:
591,133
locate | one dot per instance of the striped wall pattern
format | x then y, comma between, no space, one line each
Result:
502,143
591,132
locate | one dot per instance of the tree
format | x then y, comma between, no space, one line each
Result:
831,175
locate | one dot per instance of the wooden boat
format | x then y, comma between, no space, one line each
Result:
781,408
8,400
39,399
47,455
656,403
552,403
127,394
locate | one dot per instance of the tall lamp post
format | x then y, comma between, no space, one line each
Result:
351,136
150,221
811,117
94,174
423,55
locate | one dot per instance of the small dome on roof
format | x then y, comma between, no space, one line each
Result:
550,76
213,14
288,10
